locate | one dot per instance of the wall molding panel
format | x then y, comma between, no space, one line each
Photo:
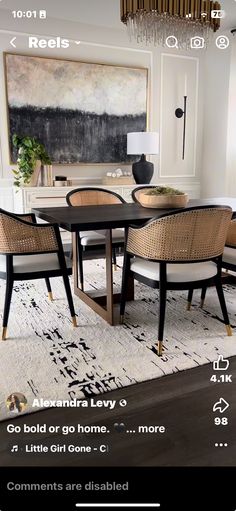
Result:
179,78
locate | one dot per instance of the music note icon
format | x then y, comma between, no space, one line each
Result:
14,448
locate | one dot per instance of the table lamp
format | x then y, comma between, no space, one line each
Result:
144,142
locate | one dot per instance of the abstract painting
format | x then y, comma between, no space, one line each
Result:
80,111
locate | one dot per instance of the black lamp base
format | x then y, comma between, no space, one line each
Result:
142,171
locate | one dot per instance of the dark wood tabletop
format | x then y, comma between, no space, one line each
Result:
83,218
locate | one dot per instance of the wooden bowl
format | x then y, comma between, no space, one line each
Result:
163,201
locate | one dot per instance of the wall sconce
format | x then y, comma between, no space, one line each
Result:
179,113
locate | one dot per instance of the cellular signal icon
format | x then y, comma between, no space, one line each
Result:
188,16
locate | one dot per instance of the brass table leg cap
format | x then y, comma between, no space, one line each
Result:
228,330
160,344
202,304
121,320
189,306
74,321
4,333
50,296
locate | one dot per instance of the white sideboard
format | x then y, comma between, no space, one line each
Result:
42,196
27,198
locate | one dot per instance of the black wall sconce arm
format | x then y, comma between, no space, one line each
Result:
179,113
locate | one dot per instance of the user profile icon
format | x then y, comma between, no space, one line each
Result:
197,43
16,402
222,42
172,41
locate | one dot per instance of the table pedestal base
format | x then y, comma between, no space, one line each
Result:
104,305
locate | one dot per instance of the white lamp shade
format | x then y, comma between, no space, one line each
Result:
143,142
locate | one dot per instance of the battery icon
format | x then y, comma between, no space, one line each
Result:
42,15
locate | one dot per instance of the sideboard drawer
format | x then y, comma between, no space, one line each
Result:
44,199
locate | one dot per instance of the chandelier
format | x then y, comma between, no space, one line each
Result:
156,21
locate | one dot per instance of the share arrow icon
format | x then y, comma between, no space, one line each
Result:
221,405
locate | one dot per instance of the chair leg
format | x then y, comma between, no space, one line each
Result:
81,271
124,287
62,263
8,295
114,259
48,284
221,297
190,297
69,298
162,310
203,296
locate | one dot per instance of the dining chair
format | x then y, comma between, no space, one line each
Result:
228,259
138,189
177,251
229,254
95,239
30,251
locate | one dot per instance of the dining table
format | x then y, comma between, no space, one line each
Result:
76,219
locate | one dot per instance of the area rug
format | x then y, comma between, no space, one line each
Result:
46,358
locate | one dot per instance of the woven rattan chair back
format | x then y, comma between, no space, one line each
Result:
92,197
18,236
136,192
191,235
231,234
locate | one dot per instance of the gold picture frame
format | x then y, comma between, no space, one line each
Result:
93,138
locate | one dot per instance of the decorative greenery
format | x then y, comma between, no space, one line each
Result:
163,190
29,152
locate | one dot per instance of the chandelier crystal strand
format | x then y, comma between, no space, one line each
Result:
183,19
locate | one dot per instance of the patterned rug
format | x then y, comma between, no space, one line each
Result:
45,357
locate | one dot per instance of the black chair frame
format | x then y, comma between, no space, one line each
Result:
81,248
10,276
163,285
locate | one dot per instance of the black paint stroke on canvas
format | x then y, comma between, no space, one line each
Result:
73,136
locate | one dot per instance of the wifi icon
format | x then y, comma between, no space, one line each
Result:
204,14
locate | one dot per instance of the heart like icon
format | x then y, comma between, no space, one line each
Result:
120,428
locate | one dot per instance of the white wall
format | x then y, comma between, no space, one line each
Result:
215,125
231,139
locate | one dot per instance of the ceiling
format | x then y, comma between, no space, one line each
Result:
105,13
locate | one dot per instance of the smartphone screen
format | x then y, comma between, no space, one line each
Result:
117,254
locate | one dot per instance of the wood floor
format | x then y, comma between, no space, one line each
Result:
182,403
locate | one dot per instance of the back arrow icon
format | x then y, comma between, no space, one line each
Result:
221,405
12,42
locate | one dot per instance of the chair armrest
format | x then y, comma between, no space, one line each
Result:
142,241
231,234
17,236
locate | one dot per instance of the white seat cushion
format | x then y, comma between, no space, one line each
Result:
98,237
229,255
175,272
33,263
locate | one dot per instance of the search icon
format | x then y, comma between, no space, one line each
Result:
172,41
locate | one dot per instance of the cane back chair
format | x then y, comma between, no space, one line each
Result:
31,251
179,250
95,239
